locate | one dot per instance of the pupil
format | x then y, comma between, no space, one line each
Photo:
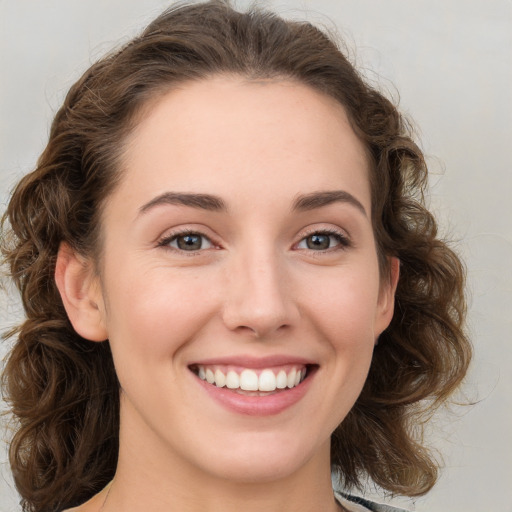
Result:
189,242
318,242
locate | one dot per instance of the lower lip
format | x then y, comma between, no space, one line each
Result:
265,405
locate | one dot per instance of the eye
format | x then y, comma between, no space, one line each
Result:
323,240
187,242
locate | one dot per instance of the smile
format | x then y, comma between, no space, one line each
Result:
263,380
255,386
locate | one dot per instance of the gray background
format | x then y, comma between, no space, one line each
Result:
451,61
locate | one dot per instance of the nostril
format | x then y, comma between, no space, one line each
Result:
260,329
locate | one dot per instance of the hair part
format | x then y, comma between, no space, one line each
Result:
63,390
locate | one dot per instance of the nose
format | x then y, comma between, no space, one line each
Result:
259,299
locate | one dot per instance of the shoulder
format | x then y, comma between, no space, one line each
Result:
358,504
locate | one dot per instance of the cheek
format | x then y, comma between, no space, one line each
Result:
156,313
344,304
343,313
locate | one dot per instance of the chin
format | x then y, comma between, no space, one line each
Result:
256,471
265,461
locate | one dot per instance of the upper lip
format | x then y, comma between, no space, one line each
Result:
248,361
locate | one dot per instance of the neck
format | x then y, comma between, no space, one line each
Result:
149,478
161,495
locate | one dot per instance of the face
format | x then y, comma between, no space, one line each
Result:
239,283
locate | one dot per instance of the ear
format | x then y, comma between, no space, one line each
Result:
386,304
80,291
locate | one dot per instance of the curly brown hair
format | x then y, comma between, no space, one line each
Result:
63,390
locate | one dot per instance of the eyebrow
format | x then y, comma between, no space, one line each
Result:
214,203
201,201
325,198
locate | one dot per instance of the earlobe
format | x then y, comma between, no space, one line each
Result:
80,292
387,296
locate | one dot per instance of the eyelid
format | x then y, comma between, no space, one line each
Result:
164,240
345,240
174,242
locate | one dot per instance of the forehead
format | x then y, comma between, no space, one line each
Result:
230,136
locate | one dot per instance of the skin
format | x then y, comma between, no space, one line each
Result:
254,289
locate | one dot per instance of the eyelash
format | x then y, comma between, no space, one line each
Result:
343,241
167,240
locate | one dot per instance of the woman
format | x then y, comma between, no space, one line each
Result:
231,283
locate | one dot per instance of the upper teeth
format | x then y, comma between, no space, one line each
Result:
249,380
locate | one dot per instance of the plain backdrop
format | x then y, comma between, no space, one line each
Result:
449,62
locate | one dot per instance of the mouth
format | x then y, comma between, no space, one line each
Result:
254,381
252,386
